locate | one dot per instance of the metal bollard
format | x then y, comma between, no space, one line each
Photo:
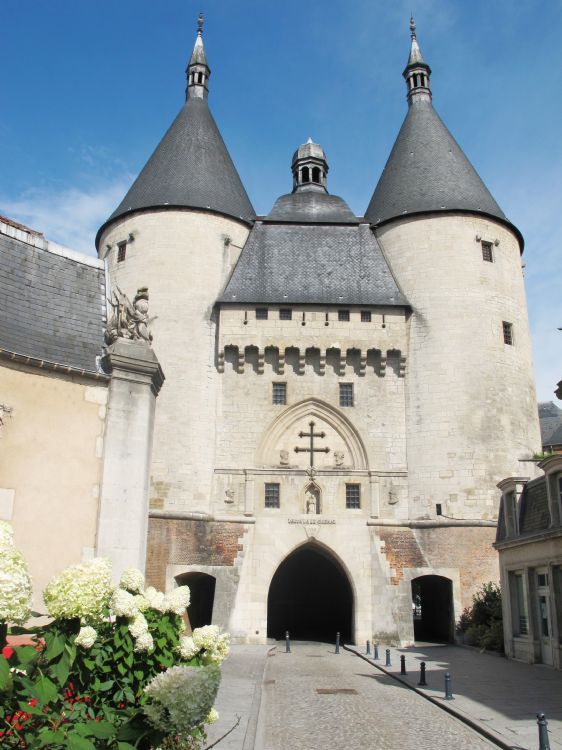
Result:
544,743
387,662
376,652
368,649
448,691
403,664
422,682
337,643
287,643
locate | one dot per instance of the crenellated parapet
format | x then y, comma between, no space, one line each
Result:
367,341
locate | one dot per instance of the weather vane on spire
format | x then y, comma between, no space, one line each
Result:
412,26
200,24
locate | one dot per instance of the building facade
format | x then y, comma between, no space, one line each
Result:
342,393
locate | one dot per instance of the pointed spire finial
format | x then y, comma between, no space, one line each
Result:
200,24
417,71
198,70
412,26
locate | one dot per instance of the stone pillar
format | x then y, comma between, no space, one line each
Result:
136,379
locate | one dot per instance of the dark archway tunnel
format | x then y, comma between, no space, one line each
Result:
310,596
433,615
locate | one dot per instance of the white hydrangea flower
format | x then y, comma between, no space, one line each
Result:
155,598
214,644
6,534
15,583
187,648
144,642
80,591
132,580
138,625
212,716
177,600
123,604
86,637
142,602
182,697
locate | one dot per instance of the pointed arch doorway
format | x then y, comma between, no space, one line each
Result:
310,595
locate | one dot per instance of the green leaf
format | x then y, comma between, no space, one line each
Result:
45,690
88,663
61,669
55,646
5,676
125,746
25,654
102,730
75,742
48,736
35,710
106,685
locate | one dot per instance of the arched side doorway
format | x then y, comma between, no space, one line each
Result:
310,596
432,609
202,588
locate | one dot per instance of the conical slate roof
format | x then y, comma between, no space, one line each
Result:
428,171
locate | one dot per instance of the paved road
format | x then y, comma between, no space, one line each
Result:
375,712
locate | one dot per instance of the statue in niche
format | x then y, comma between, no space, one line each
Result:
284,457
229,495
339,458
129,320
312,500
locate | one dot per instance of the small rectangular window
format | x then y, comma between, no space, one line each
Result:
352,495
346,394
365,316
279,393
121,251
285,314
520,620
261,313
272,495
343,315
487,252
507,333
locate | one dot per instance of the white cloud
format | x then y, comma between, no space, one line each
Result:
69,216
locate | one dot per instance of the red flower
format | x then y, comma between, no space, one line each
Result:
7,652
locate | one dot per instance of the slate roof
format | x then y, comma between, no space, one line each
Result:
52,307
550,420
314,264
534,515
191,167
311,206
427,171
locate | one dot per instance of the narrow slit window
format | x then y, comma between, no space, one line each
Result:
507,333
279,394
487,252
272,495
343,315
121,251
346,394
352,496
261,313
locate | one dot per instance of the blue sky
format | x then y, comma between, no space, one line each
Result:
90,86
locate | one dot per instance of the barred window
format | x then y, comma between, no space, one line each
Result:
346,394
279,393
352,495
121,251
365,316
487,252
507,333
272,495
285,313
261,313
343,315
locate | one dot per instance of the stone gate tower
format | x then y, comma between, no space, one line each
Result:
342,393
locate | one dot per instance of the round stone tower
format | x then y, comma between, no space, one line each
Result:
179,231
471,408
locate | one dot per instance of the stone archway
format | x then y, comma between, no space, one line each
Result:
433,615
310,595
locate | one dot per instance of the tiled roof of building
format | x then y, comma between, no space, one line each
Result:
312,263
534,515
550,420
427,171
319,207
53,305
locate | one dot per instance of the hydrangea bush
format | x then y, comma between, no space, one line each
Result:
113,670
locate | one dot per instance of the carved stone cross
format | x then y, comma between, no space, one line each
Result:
312,450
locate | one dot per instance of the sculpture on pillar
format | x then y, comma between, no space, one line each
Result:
129,320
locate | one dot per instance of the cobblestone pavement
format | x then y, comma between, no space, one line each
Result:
375,712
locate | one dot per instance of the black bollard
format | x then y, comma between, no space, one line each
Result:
422,682
287,643
544,744
403,664
376,652
337,643
368,649
387,662
448,691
